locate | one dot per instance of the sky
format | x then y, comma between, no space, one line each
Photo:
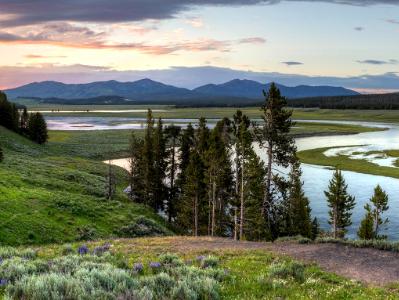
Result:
187,43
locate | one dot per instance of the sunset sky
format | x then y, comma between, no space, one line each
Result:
188,43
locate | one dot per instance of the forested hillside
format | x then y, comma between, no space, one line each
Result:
376,101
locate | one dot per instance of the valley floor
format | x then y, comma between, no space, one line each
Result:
371,266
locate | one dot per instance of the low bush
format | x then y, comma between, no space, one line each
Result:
141,227
98,276
287,270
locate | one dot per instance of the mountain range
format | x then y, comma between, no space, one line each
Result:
149,91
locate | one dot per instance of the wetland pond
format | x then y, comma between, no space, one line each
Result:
315,178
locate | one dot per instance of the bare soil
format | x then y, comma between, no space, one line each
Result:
367,265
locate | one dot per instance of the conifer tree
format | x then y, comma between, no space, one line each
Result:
148,162
370,225
159,167
190,207
172,134
242,149
340,204
366,228
315,228
254,226
6,112
279,146
186,147
24,120
219,180
299,207
136,171
37,128
380,205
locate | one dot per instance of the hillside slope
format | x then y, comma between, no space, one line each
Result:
47,196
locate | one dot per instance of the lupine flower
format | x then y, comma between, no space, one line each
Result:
100,250
138,268
155,265
3,282
83,250
200,258
106,246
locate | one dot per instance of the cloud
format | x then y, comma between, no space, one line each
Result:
378,62
359,28
38,56
189,77
292,63
195,22
24,12
393,21
252,40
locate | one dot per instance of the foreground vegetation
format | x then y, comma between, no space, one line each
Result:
143,268
317,157
47,195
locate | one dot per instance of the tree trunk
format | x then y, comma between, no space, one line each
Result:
172,183
242,203
196,215
266,203
235,224
213,208
335,222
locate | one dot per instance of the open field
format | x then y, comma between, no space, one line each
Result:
258,270
343,162
53,193
390,116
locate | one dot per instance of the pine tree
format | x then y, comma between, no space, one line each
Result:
299,207
148,162
6,112
186,147
136,177
254,226
315,228
37,128
380,203
189,217
242,148
280,148
366,229
219,180
370,225
172,134
160,165
340,204
24,120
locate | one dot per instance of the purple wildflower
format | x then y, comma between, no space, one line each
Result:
1,260
3,282
82,250
100,250
138,268
155,265
200,258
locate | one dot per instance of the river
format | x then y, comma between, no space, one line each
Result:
315,178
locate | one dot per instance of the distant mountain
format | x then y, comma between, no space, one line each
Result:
146,90
253,90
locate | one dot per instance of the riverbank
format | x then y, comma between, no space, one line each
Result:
343,162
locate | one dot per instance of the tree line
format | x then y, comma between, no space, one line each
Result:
211,181
377,101
20,121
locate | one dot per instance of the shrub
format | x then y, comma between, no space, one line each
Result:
142,227
170,260
287,270
67,249
210,262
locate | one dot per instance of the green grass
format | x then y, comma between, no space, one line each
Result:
343,162
252,274
54,193
390,116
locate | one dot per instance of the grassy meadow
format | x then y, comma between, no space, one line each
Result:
55,193
110,268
